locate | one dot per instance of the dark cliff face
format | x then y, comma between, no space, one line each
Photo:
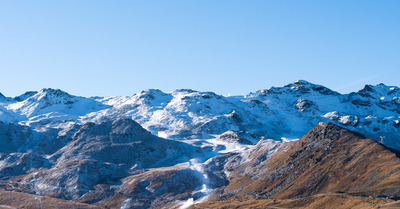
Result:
328,159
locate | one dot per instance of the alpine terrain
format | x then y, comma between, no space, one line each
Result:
298,146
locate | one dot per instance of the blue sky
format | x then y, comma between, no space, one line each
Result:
109,48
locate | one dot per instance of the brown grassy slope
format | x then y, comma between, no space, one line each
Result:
328,159
333,201
23,200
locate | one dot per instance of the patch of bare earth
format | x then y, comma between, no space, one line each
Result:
23,200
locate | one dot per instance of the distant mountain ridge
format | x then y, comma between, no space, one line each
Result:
286,112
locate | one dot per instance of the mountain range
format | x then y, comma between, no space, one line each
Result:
293,146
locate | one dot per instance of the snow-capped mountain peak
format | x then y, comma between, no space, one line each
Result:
380,91
278,112
54,103
297,88
301,87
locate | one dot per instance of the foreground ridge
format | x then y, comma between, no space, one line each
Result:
327,164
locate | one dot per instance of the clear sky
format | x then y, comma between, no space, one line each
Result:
109,48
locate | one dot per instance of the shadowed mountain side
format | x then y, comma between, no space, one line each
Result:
122,141
98,154
21,138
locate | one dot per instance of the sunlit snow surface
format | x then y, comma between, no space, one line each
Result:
197,164
288,111
204,191
126,203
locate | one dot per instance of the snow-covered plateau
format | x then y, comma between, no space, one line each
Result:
155,148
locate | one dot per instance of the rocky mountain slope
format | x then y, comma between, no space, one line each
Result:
329,162
97,154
